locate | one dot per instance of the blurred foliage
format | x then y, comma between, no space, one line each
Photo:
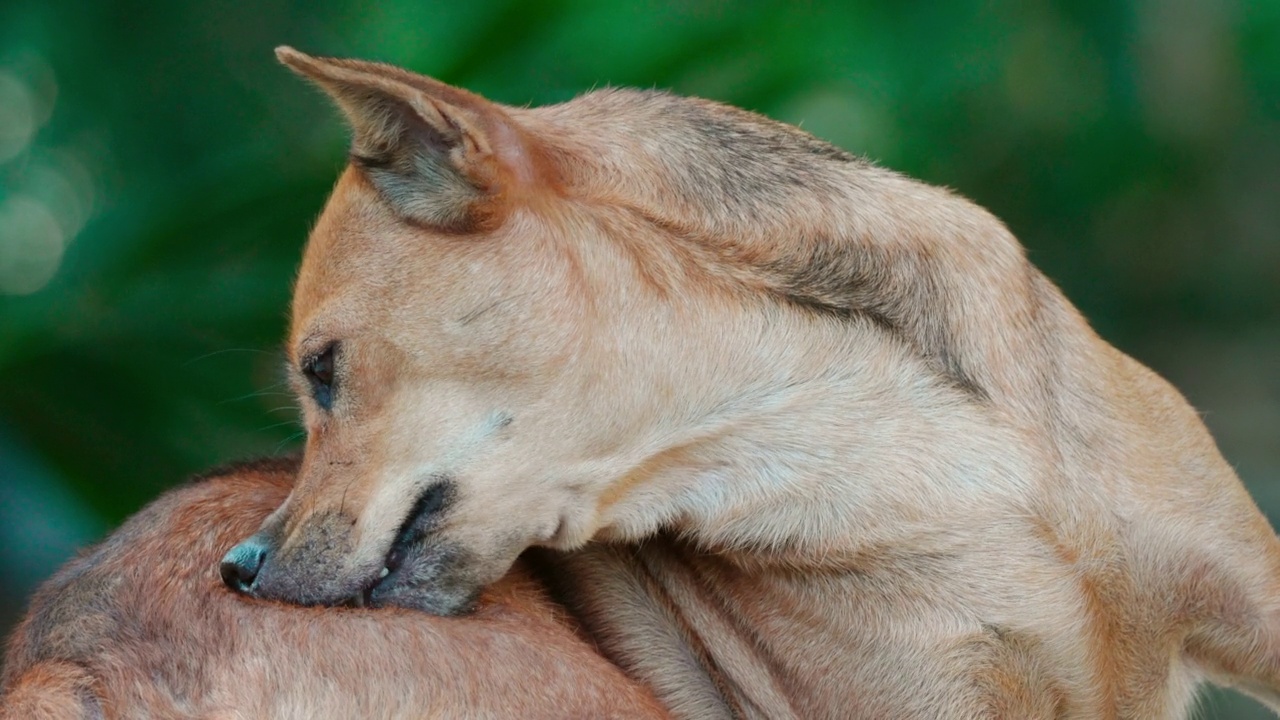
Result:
158,173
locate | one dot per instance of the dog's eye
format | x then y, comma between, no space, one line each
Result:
319,370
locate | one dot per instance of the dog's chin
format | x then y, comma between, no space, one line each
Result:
438,599
432,579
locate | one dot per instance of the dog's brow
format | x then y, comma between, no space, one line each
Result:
311,344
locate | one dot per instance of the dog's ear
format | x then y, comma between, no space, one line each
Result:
441,156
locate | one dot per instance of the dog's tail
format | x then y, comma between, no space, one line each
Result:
51,690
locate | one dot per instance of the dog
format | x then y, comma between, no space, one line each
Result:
142,627
809,438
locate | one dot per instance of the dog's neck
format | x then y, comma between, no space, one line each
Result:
897,454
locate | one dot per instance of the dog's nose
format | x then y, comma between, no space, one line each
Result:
241,564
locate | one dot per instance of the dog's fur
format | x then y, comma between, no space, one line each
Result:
141,627
877,464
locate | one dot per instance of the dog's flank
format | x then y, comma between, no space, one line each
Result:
140,627
878,464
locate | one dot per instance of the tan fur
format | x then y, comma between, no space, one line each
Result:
141,627
876,464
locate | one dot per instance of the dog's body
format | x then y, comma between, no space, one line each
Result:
891,471
141,627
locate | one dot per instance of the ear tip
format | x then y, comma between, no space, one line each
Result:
292,58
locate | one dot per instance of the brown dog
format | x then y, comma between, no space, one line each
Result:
881,466
141,627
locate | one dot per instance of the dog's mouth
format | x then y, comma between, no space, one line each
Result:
393,561
423,517
433,577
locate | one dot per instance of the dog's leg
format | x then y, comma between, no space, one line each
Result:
633,621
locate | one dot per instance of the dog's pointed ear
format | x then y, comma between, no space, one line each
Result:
441,156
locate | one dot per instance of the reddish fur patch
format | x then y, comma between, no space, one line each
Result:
171,641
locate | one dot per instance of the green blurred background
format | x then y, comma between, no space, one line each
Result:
158,174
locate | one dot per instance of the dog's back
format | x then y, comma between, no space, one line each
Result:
141,626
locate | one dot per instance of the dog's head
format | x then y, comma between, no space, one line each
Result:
496,337
436,327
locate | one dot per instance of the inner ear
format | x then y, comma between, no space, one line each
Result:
435,174
440,156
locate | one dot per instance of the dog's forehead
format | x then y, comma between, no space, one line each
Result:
356,240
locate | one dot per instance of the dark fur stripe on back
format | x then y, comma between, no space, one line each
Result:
737,176
902,292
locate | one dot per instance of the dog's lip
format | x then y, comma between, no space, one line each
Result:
391,563
364,596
